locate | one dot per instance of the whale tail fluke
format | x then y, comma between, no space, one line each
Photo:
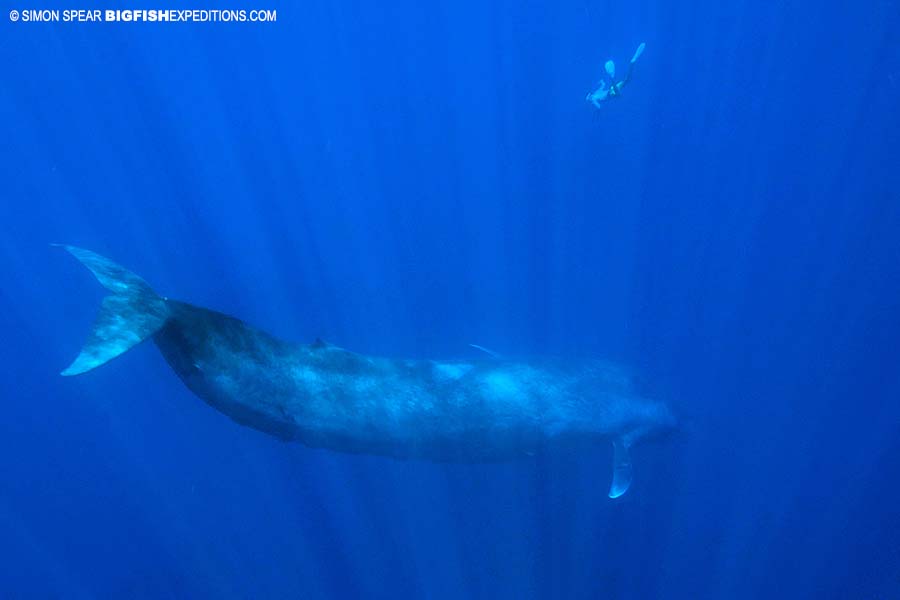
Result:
129,315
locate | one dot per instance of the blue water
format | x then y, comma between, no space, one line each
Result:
408,178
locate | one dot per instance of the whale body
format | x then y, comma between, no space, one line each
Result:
328,397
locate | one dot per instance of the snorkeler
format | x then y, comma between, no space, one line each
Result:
606,91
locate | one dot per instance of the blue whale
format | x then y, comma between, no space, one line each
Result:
325,396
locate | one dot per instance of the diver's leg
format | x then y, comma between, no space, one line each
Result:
637,55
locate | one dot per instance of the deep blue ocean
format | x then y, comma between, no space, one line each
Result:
408,178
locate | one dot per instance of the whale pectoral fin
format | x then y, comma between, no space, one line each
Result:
490,353
622,474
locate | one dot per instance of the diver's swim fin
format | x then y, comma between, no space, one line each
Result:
129,315
621,479
610,67
638,52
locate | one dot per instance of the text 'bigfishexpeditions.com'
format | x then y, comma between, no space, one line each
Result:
173,15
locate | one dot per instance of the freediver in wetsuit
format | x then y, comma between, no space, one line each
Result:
613,89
